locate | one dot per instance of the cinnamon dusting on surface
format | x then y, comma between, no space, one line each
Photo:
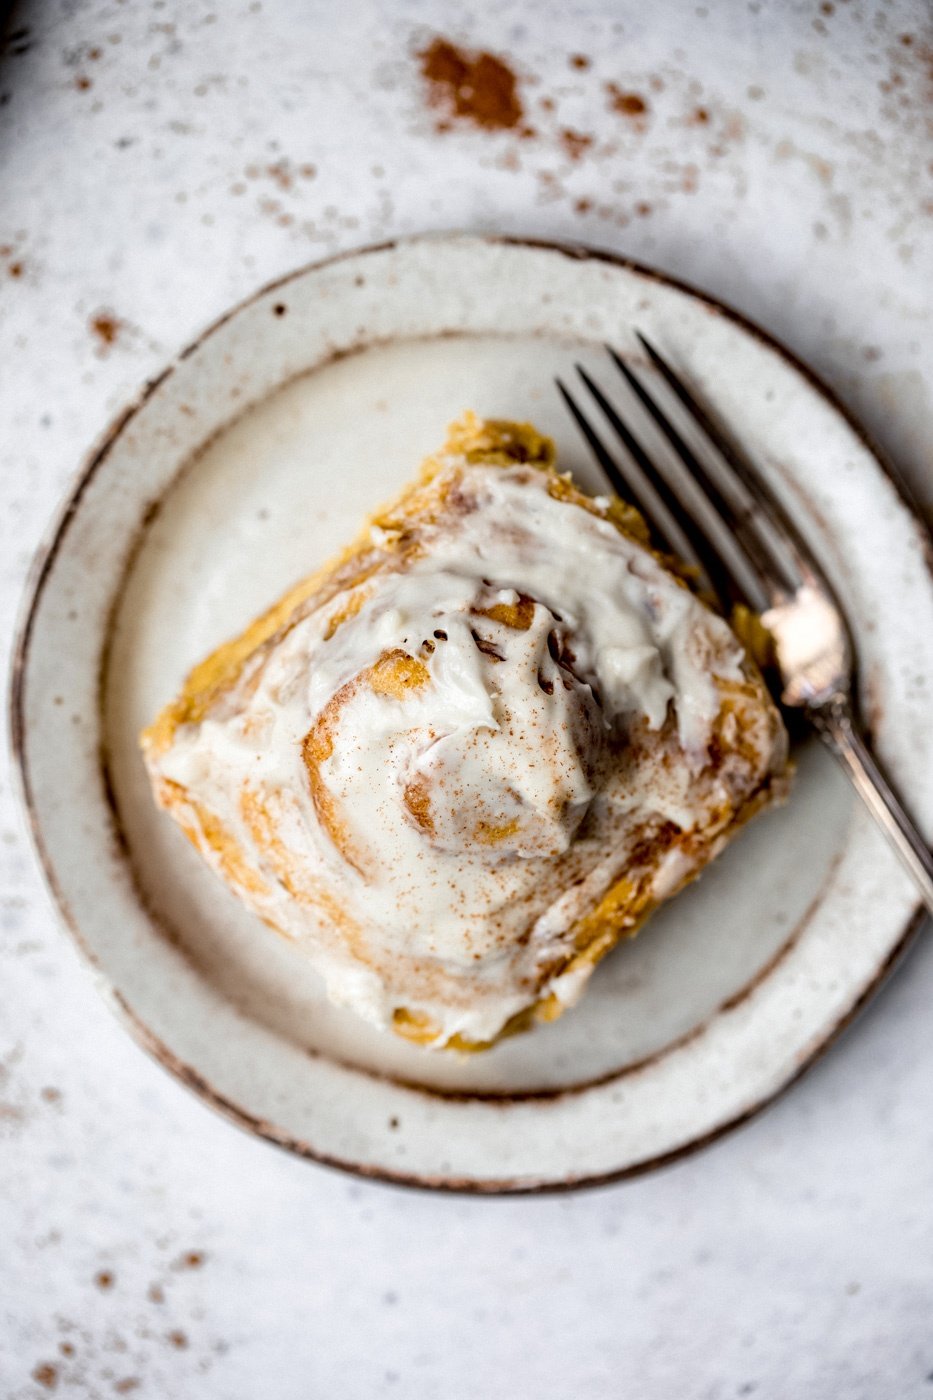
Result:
106,327
575,143
628,104
479,88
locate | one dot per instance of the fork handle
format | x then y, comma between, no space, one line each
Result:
837,726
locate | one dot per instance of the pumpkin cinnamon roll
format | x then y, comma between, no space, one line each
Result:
464,759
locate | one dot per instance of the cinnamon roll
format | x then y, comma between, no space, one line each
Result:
464,759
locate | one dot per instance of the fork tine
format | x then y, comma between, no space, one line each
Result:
602,454
625,484
672,528
771,569
659,504
760,494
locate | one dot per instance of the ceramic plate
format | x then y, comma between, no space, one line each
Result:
244,466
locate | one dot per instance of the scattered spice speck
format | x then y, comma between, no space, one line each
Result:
280,172
106,327
104,1279
474,87
46,1374
627,104
178,1339
192,1259
575,143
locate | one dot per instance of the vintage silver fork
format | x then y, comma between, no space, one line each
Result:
727,524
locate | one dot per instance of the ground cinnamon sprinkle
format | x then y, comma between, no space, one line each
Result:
475,87
575,143
630,104
105,327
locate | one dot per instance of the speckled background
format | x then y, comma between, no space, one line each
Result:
157,163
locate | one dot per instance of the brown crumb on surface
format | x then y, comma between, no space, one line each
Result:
66,1348
178,1339
191,1259
83,82
106,327
15,269
579,60
104,1279
128,1384
46,1374
479,88
699,116
575,143
280,172
628,104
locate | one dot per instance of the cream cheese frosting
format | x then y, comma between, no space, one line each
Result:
455,758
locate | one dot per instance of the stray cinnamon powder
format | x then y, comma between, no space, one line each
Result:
575,143
473,87
629,104
106,327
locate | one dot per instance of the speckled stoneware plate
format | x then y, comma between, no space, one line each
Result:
240,469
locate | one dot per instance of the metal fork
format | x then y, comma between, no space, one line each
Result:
742,546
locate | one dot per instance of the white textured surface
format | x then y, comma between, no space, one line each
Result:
792,1259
